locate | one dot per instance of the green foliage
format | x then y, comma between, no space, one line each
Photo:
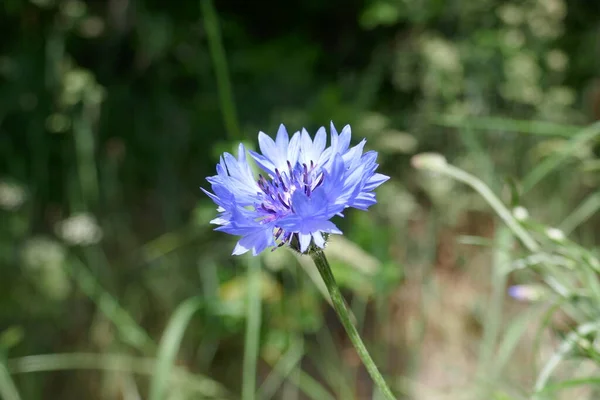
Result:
113,113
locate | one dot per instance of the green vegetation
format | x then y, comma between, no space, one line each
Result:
114,286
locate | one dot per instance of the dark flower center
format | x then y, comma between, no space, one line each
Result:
278,190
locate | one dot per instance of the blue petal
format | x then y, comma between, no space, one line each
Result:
257,242
341,142
293,151
263,162
311,214
375,180
267,146
311,150
348,176
319,143
282,141
353,156
275,155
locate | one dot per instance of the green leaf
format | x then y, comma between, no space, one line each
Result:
169,346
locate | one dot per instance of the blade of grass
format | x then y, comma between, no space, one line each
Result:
570,384
307,384
512,125
313,274
582,213
517,328
582,138
289,390
217,54
169,346
168,243
8,389
493,321
565,347
438,164
83,136
331,371
129,331
252,337
115,363
209,344
281,371
478,152
330,364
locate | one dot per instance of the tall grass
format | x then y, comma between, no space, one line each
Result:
155,307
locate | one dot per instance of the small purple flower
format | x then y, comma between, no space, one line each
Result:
527,292
302,186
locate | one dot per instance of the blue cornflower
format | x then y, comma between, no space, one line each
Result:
303,185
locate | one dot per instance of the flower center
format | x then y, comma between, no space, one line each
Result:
278,190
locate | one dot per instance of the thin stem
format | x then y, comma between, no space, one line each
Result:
130,332
217,53
493,318
253,317
495,203
439,165
342,311
87,169
566,346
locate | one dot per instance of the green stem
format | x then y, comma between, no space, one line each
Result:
217,53
493,318
8,390
342,311
253,316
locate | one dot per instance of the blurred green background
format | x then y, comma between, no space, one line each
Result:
113,112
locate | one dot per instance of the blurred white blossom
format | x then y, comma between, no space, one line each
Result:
442,54
80,229
523,74
80,85
540,27
510,14
513,38
429,161
520,213
557,60
545,19
92,27
41,252
523,66
12,195
556,9
561,95
73,8
555,234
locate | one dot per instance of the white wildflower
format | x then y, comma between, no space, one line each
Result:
520,213
557,60
12,195
80,229
43,253
555,234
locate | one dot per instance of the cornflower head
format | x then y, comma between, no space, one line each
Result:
302,186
